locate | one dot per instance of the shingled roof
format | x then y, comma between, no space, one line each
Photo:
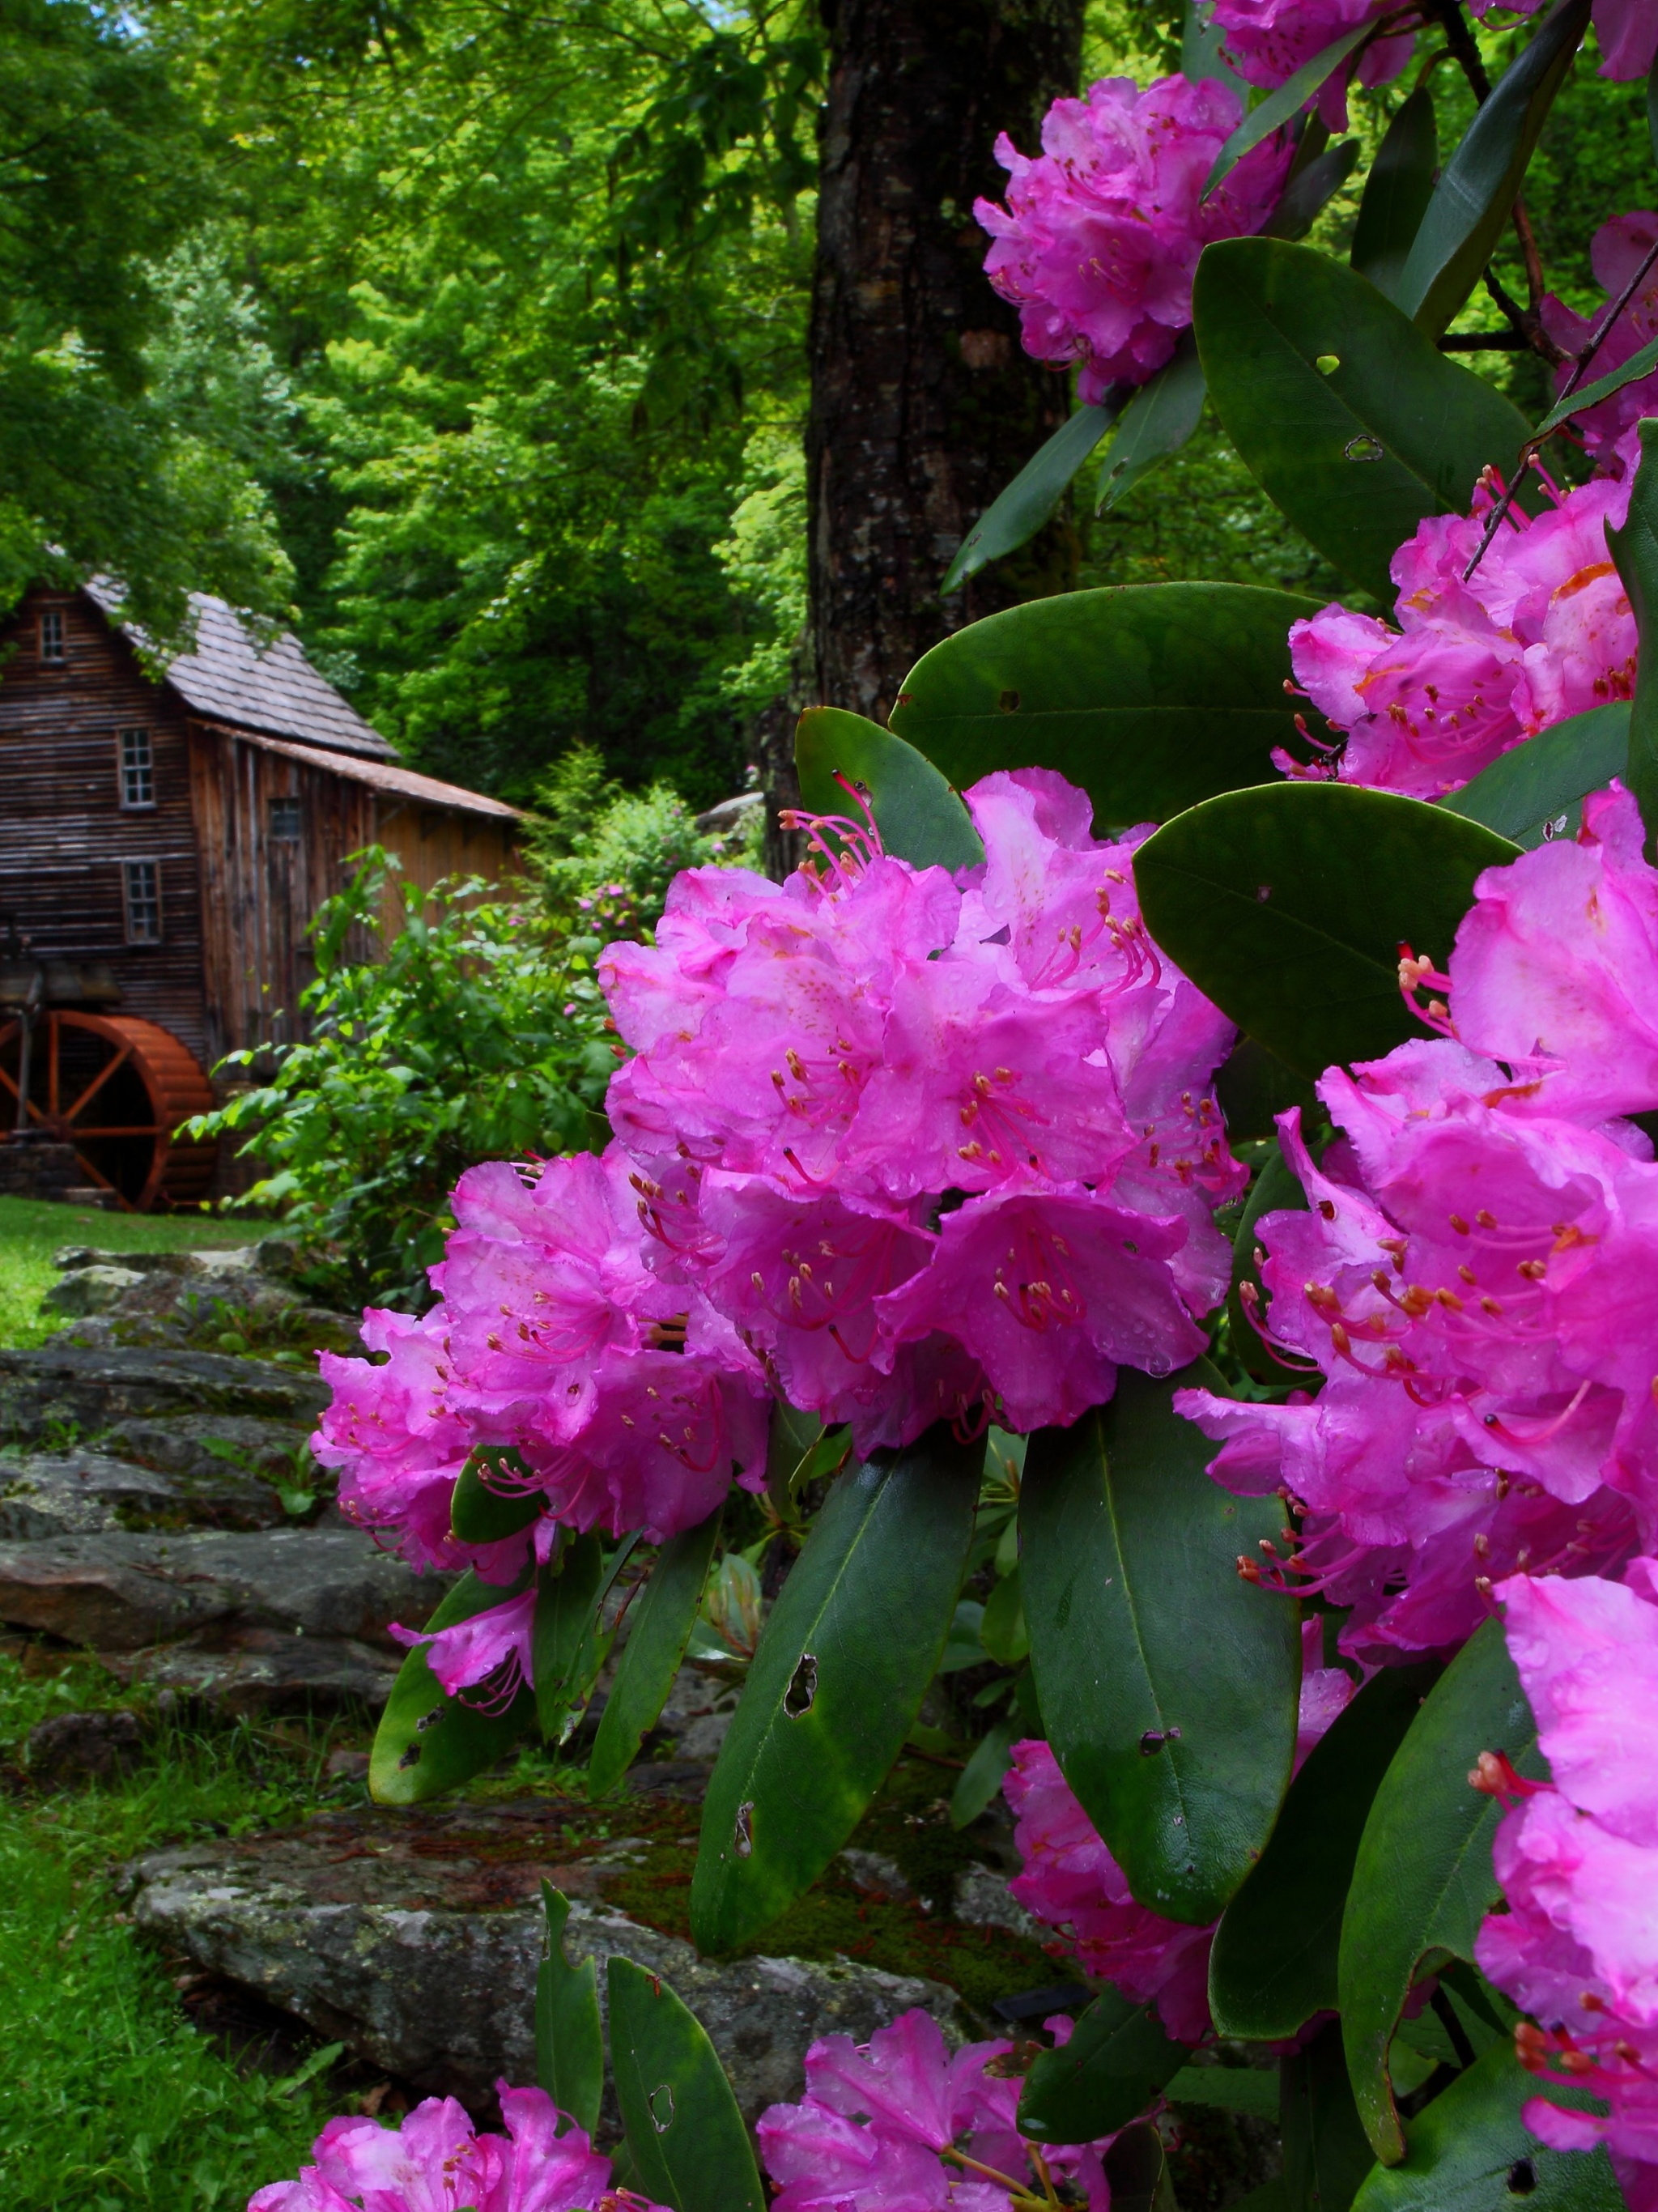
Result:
229,677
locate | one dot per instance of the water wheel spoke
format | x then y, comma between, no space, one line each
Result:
88,1168
97,1082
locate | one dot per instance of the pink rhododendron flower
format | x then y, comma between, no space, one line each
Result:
437,2161
492,1647
901,2124
1542,629
1474,1277
1627,30
1620,248
1102,232
1267,41
930,1147
1578,1857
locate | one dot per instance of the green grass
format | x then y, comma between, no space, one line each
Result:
32,1230
109,2101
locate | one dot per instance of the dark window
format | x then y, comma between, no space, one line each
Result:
138,768
285,820
141,891
52,634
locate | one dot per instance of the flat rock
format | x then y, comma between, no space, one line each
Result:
245,1671
122,1591
202,1448
59,1389
413,1938
44,1494
96,1746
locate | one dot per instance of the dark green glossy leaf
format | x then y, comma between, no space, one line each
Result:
1310,189
1635,549
1019,513
1422,1881
1288,905
567,1615
1166,1683
1116,2062
1478,184
1396,193
1274,1960
982,1778
1283,103
919,818
1227,2089
835,1684
1136,2171
1150,696
661,1627
1326,2154
1590,395
479,1514
1254,1087
1355,423
1200,51
428,1742
1275,1189
792,1439
690,2149
569,2041
1548,776
1003,1631
1157,421
1470,2151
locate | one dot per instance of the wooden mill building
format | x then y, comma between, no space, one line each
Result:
164,844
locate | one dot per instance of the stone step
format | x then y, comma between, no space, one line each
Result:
75,1493
58,1393
413,1938
123,1591
241,1672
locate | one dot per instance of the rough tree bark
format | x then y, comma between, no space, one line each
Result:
923,403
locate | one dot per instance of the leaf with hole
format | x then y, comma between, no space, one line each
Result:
1149,697
920,819
569,2041
690,2150
1285,103
1635,549
1156,422
860,1622
1117,2061
1396,193
1547,778
1326,2154
1288,906
1471,2151
1358,451
1017,514
661,1627
1274,1959
1167,1684
1478,187
426,1742
1423,1880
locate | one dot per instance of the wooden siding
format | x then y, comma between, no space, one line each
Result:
64,833
259,891
430,844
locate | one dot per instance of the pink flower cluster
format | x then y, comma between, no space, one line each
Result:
1620,248
1475,1275
899,2125
437,2161
1102,232
1267,41
933,1148
1627,30
1541,630
1070,1878
1577,1946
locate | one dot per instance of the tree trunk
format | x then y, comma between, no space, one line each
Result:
923,404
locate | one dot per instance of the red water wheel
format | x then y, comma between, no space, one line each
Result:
116,1088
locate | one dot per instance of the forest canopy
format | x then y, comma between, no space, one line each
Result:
472,338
